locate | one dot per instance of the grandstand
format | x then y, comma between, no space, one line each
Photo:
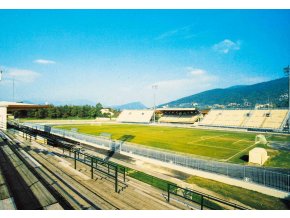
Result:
275,119
255,119
178,115
8,107
135,116
260,119
167,115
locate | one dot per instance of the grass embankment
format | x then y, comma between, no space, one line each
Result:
163,185
277,158
151,180
251,198
280,159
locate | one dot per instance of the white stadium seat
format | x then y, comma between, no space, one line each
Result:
263,119
135,116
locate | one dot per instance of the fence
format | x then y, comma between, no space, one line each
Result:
258,175
203,200
70,134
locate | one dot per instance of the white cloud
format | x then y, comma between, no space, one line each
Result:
167,34
22,75
226,46
195,71
196,80
183,32
43,61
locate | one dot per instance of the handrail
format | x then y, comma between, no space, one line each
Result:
190,191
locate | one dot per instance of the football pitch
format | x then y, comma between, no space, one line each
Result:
214,144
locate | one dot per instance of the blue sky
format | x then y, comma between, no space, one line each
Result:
115,56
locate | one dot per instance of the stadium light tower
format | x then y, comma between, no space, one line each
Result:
287,73
154,87
13,88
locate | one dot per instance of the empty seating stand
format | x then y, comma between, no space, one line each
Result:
179,115
6,200
170,118
275,119
256,119
261,119
211,117
135,116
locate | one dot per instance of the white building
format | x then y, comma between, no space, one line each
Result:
258,156
107,111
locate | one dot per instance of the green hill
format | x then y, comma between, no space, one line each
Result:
274,92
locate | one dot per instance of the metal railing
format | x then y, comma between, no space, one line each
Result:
108,168
257,175
205,201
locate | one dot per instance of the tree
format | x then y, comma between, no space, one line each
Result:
80,112
92,112
99,107
51,113
74,111
41,113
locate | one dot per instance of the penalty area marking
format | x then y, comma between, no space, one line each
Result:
206,138
242,140
241,151
212,146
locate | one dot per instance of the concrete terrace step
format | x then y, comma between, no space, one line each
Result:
39,191
68,176
69,180
130,195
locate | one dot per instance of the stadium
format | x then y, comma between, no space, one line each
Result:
220,135
75,135
221,145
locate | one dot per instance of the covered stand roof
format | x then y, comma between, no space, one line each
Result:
175,109
14,106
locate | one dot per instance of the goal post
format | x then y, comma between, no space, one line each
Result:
261,139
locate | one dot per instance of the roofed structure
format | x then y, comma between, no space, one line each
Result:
178,115
6,107
175,109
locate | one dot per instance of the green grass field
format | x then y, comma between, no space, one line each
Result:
220,145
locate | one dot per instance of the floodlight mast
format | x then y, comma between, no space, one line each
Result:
154,87
287,73
13,89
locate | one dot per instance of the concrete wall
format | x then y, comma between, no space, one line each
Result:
3,118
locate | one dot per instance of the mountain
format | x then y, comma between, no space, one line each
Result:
130,106
235,87
274,92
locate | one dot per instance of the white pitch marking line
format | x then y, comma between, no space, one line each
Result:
242,140
240,152
205,138
212,146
